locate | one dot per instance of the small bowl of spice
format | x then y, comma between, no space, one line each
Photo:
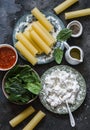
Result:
76,28
8,57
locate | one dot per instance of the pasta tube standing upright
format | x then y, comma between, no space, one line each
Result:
40,42
64,5
78,13
43,20
37,118
20,117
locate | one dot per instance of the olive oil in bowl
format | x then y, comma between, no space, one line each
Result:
75,53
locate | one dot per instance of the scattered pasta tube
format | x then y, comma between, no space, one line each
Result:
20,117
24,52
40,42
78,13
37,118
26,43
67,3
43,20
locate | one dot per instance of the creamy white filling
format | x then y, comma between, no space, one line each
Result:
61,86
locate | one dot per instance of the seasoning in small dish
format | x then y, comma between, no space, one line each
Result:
75,53
76,28
8,57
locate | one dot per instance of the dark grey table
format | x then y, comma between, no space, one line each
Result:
10,12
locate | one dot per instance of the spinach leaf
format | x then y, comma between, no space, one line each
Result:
34,87
22,84
64,34
58,55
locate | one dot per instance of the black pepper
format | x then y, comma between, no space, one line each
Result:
75,29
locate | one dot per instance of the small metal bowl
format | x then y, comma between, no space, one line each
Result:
76,28
8,57
6,94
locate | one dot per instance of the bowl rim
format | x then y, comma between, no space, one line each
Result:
75,22
11,47
6,95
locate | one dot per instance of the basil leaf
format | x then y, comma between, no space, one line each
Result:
33,87
58,55
64,34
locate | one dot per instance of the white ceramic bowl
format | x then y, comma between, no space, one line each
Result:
8,57
76,28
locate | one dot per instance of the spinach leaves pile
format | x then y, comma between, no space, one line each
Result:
22,84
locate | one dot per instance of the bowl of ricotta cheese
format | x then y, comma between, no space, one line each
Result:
60,84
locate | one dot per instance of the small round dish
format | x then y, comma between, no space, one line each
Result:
46,89
8,57
25,20
76,28
21,84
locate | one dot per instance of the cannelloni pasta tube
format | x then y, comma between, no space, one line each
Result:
46,32
26,43
43,20
78,13
64,5
20,117
40,42
24,51
42,34
27,35
36,119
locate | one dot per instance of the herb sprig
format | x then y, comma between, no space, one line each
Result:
63,35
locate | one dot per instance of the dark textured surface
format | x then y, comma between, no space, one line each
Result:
10,12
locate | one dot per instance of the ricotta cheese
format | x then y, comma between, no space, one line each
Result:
60,86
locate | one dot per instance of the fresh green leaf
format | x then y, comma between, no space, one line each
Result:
64,34
58,55
22,84
34,87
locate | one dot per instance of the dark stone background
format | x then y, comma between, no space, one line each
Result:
10,12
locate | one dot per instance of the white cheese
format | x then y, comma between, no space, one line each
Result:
61,86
